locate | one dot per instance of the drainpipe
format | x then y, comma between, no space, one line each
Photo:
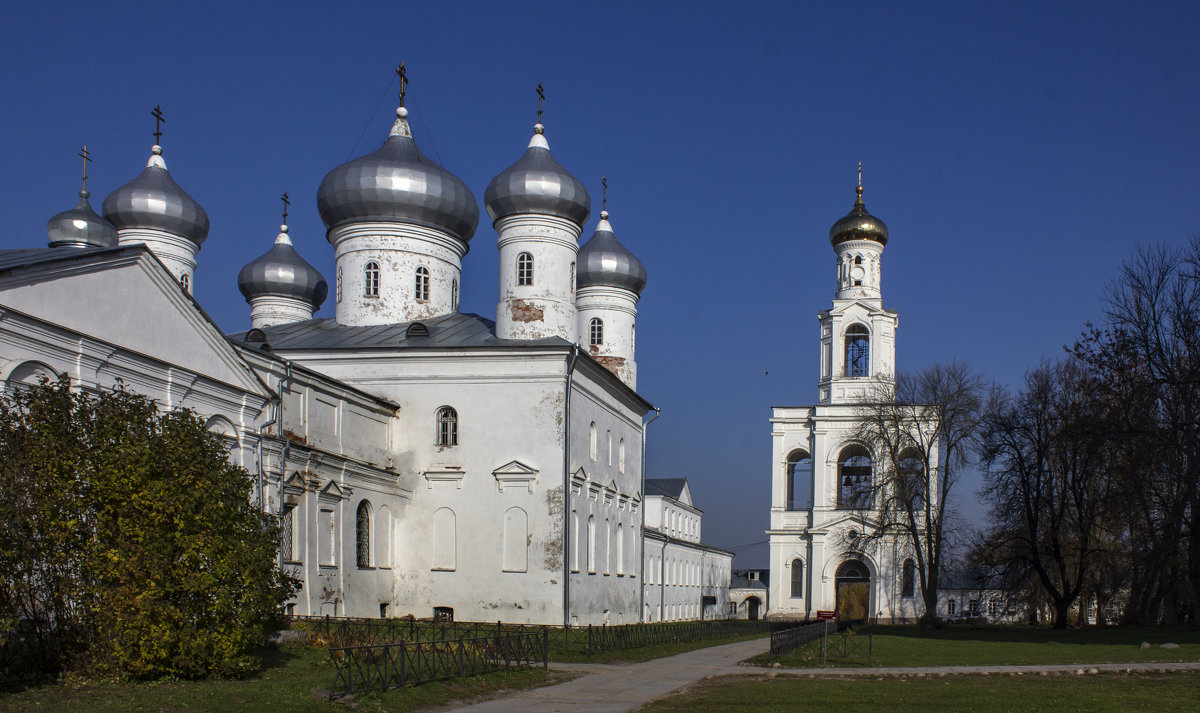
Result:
567,489
276,419
642,583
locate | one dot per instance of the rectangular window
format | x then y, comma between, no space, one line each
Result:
327,538
287,528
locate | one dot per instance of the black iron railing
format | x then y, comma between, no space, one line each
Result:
786,640
822,641
382,666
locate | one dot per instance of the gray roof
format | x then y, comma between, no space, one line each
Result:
398,183
604,261
858,224
537,183
450,330
743,581
28,257
281,271
81,227
669,487
154,200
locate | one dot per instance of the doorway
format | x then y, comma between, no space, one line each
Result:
853,591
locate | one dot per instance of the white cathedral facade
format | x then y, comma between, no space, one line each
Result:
422,461
824,489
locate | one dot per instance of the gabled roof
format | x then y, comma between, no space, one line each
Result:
28,257
674,488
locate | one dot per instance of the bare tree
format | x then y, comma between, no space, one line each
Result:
920,429
1048,481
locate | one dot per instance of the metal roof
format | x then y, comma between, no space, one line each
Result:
450,330
669,487
28,257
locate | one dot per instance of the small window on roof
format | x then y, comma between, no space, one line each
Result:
417,329
256,335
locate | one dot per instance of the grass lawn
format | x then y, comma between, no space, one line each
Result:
286,684
1101,693
994,645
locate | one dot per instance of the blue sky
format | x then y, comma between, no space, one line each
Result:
1017,151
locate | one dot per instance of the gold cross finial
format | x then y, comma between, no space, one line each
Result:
604,195
403,74
541,98
158,122
286,203
859,189
87,158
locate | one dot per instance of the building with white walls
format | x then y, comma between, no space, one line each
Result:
685,579
421,460
823,480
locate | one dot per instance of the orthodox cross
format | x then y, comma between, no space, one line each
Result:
403,74
87,158
286,203
859,189
541,98
604,195
158,122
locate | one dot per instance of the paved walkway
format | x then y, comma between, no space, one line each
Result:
617,688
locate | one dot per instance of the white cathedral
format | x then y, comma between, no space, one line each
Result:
822,559
422,461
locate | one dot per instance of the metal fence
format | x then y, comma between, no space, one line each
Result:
822,641
341,632
786,640
382,666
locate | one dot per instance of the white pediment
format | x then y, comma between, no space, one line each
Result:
131,301
450,474
333,491
515,473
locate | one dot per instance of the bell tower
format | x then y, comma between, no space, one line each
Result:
858,336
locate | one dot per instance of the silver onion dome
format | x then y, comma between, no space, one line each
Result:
604,261
398,183
538,184
281,271
858,224
81,227
154,200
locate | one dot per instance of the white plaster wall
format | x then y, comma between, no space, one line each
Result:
270,310
618,309
547,307
176,253
399,249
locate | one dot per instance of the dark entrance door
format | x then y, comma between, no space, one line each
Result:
752,608
853,591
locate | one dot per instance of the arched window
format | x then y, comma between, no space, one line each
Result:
454,294
799,481
908,583
608,445
620,549
911,481
621,456
516,540
524,269
854,478
447,426
445,535
592,440
362,535
339,285
184,283
421,283
572,279
574,541
591,544
371,279
596,332
858,351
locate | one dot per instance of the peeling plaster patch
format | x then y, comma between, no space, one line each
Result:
523,311
613,364
551,406
552,546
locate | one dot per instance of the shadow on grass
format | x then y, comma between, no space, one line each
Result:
1030,634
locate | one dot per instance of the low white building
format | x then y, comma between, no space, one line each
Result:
749,593
685,579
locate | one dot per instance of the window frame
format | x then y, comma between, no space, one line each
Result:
421,284
362,535
372,280
446,425
525,269
596,332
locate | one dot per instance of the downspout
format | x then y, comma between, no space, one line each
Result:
566,606
642,575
